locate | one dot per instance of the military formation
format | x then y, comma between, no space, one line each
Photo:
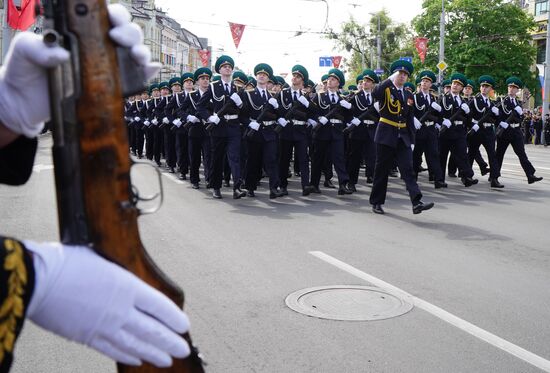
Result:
244,128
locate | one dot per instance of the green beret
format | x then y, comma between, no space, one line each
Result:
470,83
371,75
410,86
240,77
251,81
345,93
264,68
309,83
338,75
153,87
215,78
200,72
486,79
188,76
352,87
446,83
300,70
359,78
402,65
427,74
459,78
324,78
174,80
164,85
514,81
222,60
279,80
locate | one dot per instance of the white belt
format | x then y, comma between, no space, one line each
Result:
458,123
514,125
299,122
487,125
335,121
229,117
268,122
368,121
429,123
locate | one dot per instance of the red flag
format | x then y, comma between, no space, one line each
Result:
421,45
21,19
205,56
336,61
237,31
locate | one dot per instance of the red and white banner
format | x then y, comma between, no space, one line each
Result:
237,31
204,54
22,18
336,61
421,45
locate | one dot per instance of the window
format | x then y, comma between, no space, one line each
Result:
541,51
541,7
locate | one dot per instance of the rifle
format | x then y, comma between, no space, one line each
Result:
459,113
335,110
370,114
227,106
267,109
290,114
512,118
488,113
95,197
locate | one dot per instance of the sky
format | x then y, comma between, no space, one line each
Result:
270,34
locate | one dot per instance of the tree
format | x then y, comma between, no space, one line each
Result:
481,37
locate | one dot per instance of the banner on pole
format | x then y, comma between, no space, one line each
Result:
421,45
237,31
204,54
23,17
336,61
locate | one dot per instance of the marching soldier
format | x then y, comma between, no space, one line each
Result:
156,133
149,139
163,121
394,137
510,133
182,140
426,113
171,106
482,132
452,136
141,117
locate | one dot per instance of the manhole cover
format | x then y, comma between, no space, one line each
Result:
347,302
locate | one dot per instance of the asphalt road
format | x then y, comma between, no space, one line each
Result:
476,267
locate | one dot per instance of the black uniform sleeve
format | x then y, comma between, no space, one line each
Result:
16,161
16,288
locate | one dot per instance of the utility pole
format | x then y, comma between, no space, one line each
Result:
378,45
546,99
441,42
6,33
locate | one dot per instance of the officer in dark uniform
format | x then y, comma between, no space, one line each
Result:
225,135
140,119
129,116
156,133
362,130
482,132
394,137
452,137
147,104
332,112
182,139
510,133
426,113
171,109
295,109
163,122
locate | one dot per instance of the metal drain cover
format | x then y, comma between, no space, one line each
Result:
347,302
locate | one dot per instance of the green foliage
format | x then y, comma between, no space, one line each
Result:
481,37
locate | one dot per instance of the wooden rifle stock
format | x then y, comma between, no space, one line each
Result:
92,143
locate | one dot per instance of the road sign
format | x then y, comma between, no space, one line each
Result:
379,71
442,65
408,59
325,61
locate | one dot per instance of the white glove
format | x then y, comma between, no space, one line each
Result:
518,110
465,108
436,106
438,126
393,76
303,101
155,121
213,119
147,123
412,147
504,125
254,125
177,122
137,119
87,299
349,124
282,121
273,103
165,120
311,122
377,106
355,121
446,123
495,110
475,127
323,120
417,123
236,99
345,104
192,119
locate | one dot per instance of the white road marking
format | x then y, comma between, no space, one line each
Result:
42,167
173,178
464,325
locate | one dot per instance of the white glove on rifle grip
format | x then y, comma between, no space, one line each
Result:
355,121
312,122
518,110
345,104
137,119
236,99
475,127
87,299
447,123
273,103
254,125
417,123
165,120
323,120
465,108
177,122
303,101
282,121
155,121
436,106
192,118
495,110
504,124
213,119
147,123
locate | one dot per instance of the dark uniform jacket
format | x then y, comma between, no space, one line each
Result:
338,116
212,101
448,109
366,113
294,112
189,107
479,108
255,107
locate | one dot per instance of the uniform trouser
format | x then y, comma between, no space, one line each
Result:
244,153
296,161
300,158
370,156
457,147
335,148
514,137
169,146
198,146
327,165
230,147
487,138
226,169
427,143
149,142
131,137
385,158
139,133
182,152
538,136
356,150
259,151
158,143
477,157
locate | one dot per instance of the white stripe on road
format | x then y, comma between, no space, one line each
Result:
464,325
172,177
